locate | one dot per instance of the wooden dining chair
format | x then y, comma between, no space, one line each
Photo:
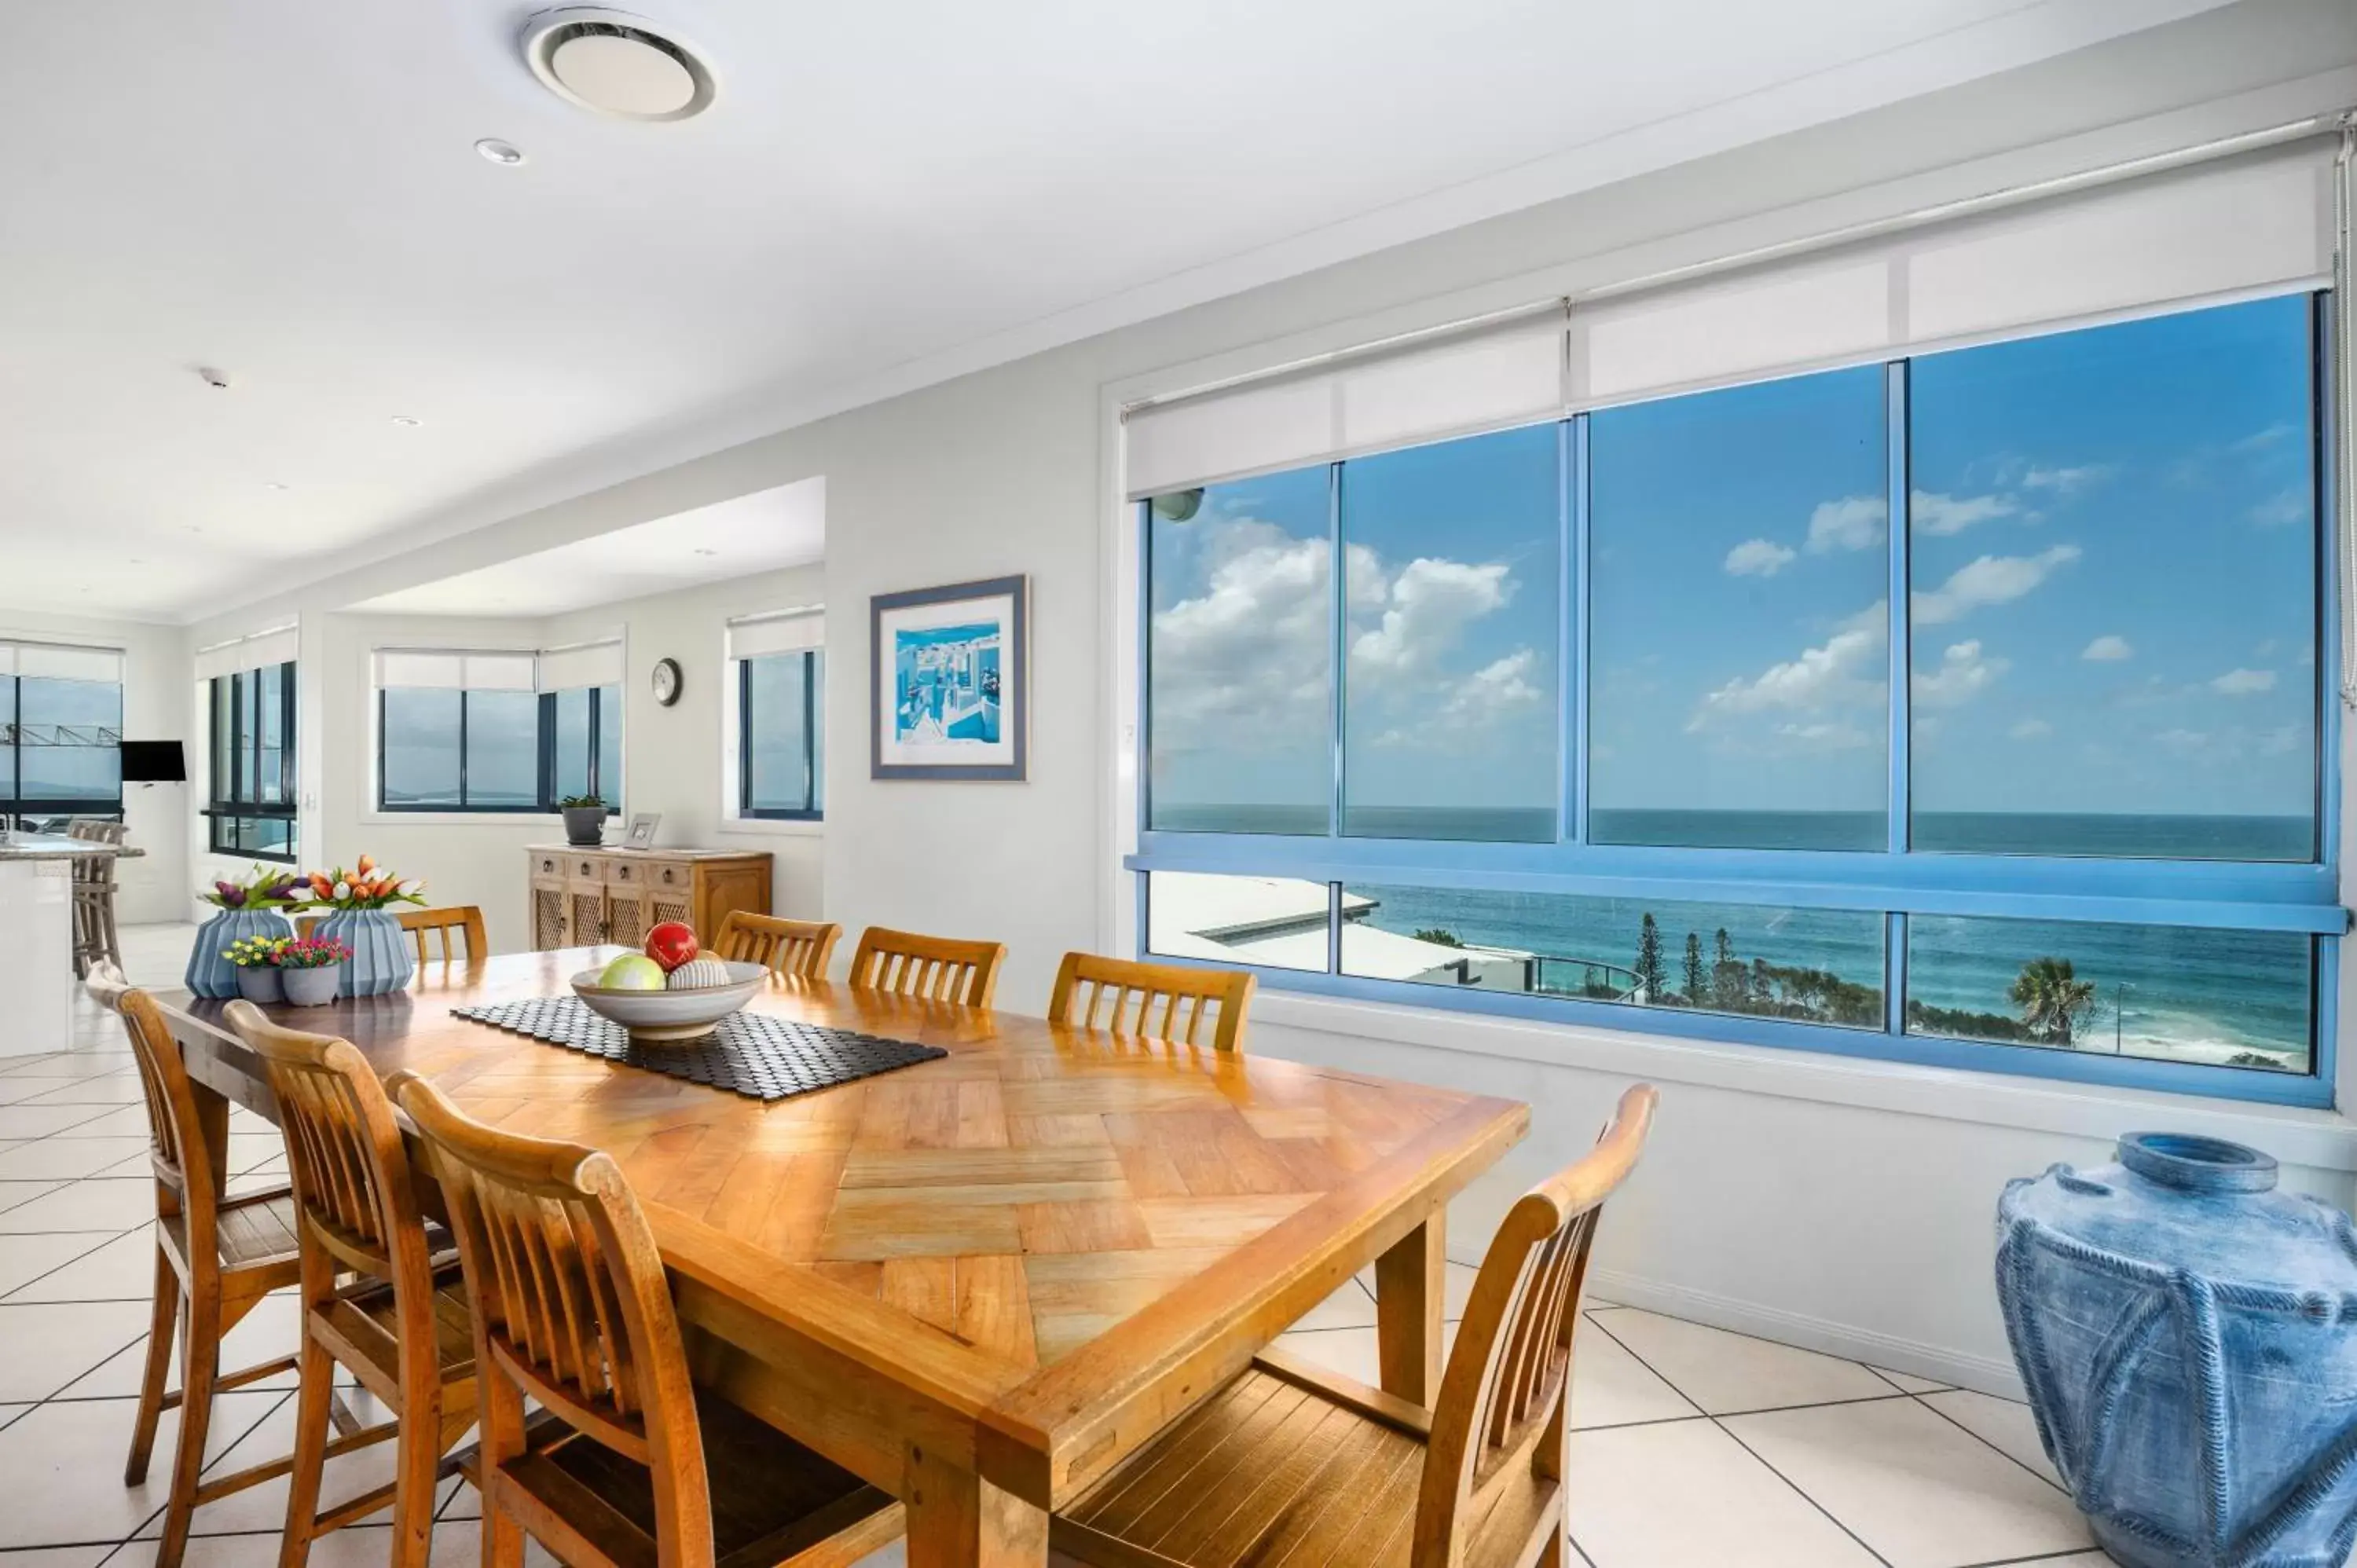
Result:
401,1328
786,947
451,921
1290,1463
1156,1001
629,1464
216,1258
936,969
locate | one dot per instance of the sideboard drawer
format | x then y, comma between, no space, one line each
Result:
622,873
545,864
668,876
585,867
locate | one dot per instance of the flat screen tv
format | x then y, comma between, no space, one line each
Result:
154,762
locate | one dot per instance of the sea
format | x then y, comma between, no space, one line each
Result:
2206,996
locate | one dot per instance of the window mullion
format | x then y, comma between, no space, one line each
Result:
1900,807
1337,570
1572,661
463,705
810,738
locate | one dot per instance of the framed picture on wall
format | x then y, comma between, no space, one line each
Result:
949,679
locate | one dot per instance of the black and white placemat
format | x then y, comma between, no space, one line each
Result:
753,1054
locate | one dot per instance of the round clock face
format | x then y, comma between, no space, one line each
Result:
666,680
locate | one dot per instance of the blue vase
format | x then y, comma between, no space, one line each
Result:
210,975
2188,1336
383,957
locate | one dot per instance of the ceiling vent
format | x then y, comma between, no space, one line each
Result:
615,64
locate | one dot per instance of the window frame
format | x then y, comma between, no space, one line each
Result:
461,806
811,674
224,810
1898,880
549,792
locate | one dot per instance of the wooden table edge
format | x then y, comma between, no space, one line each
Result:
1059,1429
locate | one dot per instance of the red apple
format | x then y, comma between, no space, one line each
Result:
670,944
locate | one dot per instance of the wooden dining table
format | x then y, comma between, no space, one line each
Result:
982,1281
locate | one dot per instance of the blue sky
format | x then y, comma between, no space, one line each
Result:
2113,549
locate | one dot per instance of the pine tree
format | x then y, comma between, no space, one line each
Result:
1727,987
1697,988
1652,979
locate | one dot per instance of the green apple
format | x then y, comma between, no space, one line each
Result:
632,971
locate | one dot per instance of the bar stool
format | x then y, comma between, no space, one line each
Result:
94,935
401,1326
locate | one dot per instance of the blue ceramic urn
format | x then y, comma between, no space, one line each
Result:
2188,1336
210,973
383,955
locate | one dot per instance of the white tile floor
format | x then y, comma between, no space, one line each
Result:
1692,1447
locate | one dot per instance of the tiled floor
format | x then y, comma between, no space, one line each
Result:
1692,1447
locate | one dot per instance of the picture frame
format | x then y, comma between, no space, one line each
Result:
641,834
949,681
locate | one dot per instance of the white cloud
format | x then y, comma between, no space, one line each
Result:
2244,682
1989,580
1834,674
1964,673
2108,649
2032,729
1933,511
1501,687
1248,654
1426,608
1759,558
2183,742
1852,522
2281,510
1825,736
2067,481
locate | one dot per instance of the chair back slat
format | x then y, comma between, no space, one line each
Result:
569,1289
803,947
1502,1398
1197,1006
176,1139
932,968
450,923
353,1189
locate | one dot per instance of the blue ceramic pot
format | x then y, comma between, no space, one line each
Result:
383,957
2188,1336
210,975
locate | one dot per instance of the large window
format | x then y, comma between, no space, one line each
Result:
61,733
781,730
251,812
495,732
1966,707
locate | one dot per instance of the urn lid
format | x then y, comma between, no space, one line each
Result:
2183,1201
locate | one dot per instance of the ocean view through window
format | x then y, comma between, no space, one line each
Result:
1967,708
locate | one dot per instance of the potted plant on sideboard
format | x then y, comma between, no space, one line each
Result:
361,916
585,821
255,906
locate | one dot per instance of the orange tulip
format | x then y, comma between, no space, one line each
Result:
366,865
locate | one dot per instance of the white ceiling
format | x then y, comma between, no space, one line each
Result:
288,190
763,532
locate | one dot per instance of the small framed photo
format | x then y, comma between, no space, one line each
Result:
949,681
642,830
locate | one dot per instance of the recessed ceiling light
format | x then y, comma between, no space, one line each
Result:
701,551
272,485
614,63
406,422
498,151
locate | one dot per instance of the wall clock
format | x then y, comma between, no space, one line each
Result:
666,680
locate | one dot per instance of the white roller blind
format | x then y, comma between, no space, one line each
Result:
1488,381
588,664
62,661
2257,223
474,671
792,631
277,646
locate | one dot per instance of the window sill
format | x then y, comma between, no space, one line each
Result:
537,821
774,827
2325,1140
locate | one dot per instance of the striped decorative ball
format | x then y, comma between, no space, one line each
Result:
697,972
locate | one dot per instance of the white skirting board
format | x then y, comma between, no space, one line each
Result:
1987,1376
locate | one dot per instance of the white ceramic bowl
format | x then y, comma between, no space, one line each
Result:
660,1017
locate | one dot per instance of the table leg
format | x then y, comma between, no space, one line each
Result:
1411,1287
957,1519
212,1122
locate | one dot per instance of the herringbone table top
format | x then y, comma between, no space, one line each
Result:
1052,1218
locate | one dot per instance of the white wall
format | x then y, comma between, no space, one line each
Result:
155,683
1842,1203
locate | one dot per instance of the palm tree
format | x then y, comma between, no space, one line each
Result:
2052,999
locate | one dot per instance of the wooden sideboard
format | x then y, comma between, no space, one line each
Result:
583,897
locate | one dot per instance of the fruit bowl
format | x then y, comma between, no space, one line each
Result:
668,1018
